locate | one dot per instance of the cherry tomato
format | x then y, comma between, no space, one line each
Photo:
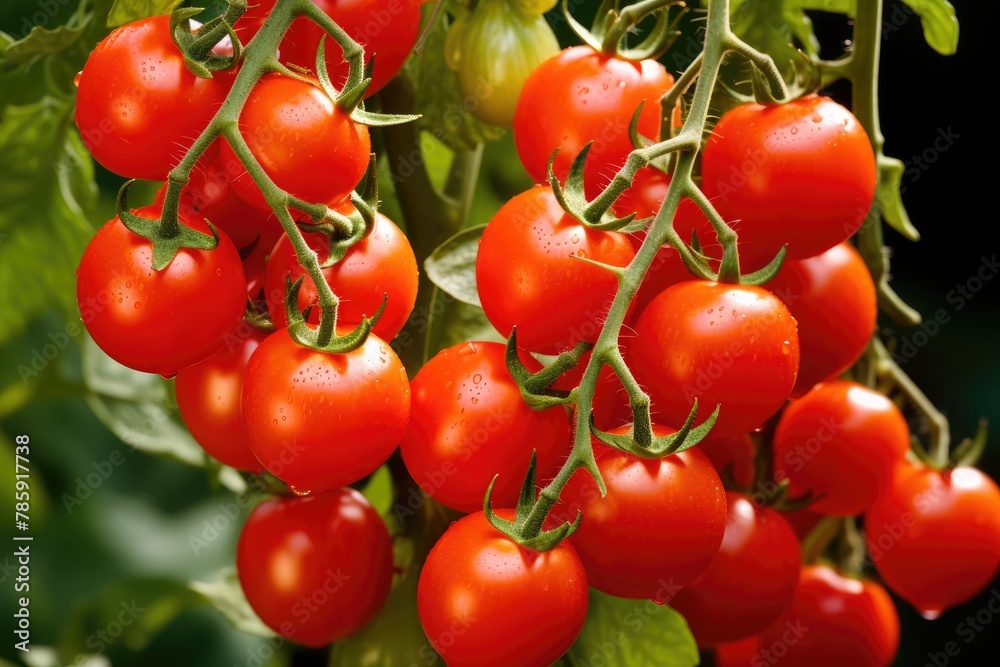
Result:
658,527
138,107
751,580
801,173
388,29
833,620
841,441
318,420
832,297
305,144
580,96
380,264
485,601
935,536
468,423
529,273
729,345
744,653
735,453
315,569
159,321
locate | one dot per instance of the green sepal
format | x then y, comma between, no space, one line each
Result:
970,450
542,541
646,445
889,200
637,140
768,272
375,119
660,38
535,387
166,236
573,199
307,336
595,36
344,231
197,48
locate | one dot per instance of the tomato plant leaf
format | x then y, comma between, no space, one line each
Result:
633,633
450,321
223,591
888,197
124,11
452,265
140,409
47,192
39,41
937,17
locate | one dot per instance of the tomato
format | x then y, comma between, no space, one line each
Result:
731,345
305,144
315,569
578,96
840,441
658,527
159,321
801,173
744,653
485,601
832,297
380,264
388,29
935,536
529,275
736,453
833,620
138,107
751,580
468,423
318,420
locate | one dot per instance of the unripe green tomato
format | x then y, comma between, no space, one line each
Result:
533,7
494,49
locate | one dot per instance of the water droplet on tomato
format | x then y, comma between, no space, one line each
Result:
794,130
467,349
299,492
931,613
138,305
477,378
786,347
76,79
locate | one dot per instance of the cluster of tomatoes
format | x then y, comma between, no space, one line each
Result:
318,566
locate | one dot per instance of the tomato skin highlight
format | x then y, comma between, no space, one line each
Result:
468,423
318,420
208,397
832,298
935,536
729,345
530,276
841,441
835,620
578,96
658,527
484,601
159,321
750,581
380,264
138,108
304,143
801,173
316,568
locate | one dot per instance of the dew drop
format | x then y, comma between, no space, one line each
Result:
76,79
583,90
786,347
299,492
931,613
467,350
817,118
477,378
794,130
138,305
474,400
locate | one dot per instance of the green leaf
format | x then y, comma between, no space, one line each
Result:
633,633
139,408
47,194
939,23
125,11
224,593
378,490
452,265
451,322
40,41
888,197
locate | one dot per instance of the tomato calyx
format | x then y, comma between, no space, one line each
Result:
612,26
641,441
166,235
837,542
536,388
573,199
529,516
322,338
197,45
344,230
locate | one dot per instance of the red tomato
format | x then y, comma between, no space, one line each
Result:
734,345
737,453
468,423
841,441
529,274
801,174
388,29
305,144
485,601
935,536
138,107
578,96
658,527
745,653
159,321
832,297
833,620
381,263
319,421
315,569
751,580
